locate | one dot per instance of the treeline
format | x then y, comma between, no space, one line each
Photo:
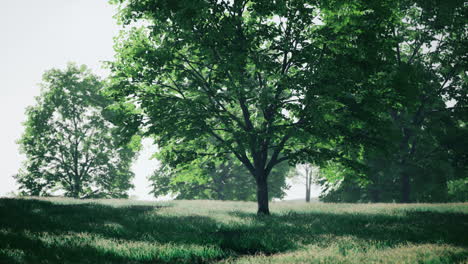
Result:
372,92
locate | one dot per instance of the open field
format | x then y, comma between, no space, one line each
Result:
118,231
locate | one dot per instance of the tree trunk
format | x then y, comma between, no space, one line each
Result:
262,195
76,189
405,188
75,193
307,176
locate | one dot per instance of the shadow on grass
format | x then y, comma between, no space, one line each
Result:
266,235
418,227
24,221
36,251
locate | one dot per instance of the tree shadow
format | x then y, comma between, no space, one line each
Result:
418,227
36,251
253,235
134,223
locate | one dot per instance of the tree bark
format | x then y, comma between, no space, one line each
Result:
308,175
75,193
262,195
76,188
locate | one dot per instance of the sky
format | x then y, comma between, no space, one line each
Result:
36,36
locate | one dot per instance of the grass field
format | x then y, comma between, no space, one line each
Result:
119,231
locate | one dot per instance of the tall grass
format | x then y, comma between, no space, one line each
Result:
120,231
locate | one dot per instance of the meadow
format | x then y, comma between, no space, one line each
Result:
59,230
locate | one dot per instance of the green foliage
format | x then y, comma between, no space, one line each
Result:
340,184
215,178
458,190
116,231
68,143
415,56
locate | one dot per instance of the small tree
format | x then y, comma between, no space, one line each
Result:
68,143
309,173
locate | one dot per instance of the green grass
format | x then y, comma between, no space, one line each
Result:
118,231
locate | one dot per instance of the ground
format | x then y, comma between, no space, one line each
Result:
58,230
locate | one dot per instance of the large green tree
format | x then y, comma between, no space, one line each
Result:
257,78
68,143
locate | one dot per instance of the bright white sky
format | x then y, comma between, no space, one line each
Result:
38,35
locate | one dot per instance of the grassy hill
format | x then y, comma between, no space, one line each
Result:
120,231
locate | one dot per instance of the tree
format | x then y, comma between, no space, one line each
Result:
218,178
435,166
424,68
415,54
430,62
308,172
68,143
258,78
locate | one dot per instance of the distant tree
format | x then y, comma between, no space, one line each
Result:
425,67
438,168
430,62
415,54
218,178
68,143
307,174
